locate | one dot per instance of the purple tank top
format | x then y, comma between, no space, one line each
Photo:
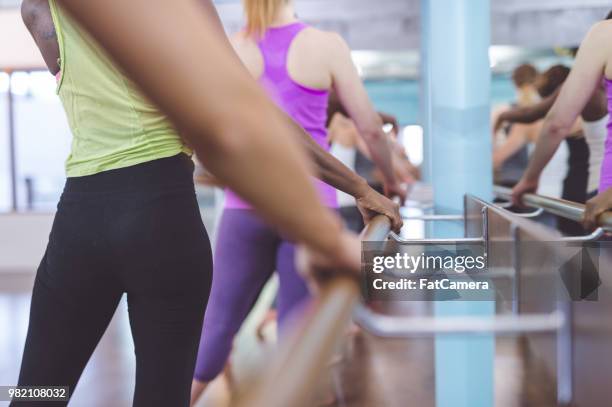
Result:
307,106
605,182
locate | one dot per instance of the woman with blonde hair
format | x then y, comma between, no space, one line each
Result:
297,66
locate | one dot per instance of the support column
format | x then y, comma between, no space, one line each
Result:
456,100
456,79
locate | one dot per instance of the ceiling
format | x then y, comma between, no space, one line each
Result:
387,25
394,24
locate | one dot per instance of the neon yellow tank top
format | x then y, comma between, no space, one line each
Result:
112,124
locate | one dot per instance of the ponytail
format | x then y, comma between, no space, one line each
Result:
260,14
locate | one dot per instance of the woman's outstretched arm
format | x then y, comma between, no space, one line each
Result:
176,53
333,172
575,93
353,97
526,114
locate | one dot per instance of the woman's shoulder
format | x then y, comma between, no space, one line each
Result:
329,43
597,46
600,33
604,26
325,37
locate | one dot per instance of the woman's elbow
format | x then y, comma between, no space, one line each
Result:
28,11
557,129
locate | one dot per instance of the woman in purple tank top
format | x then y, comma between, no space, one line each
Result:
298,66
592,66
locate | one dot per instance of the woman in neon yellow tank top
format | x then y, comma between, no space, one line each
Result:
128,221
113,126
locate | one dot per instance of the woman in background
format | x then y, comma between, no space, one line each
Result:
593,65
348,147
558,179
510,155
297,66
595,119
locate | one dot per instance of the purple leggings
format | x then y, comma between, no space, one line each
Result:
247,253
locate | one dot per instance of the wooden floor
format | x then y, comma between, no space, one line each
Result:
109,377
392,373
108,380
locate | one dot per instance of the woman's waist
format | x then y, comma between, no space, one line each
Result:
95,152
172,172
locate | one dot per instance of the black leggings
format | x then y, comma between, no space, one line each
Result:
575,183
138,231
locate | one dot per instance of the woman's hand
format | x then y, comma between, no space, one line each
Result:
395,189
371,204
523,187
392,120
595,207
318,268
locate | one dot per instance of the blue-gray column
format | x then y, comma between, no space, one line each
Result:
456,81
455,101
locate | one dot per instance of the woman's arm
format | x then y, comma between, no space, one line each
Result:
595,207
333,172
405,171
36,16
335,106
526,114
514,142
354,98
575,93
152,39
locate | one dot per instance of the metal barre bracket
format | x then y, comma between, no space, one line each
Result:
599,232
535,214
401,240
386,326
504,205
435,218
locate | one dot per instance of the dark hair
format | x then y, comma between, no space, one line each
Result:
609,16
524,74
550,80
